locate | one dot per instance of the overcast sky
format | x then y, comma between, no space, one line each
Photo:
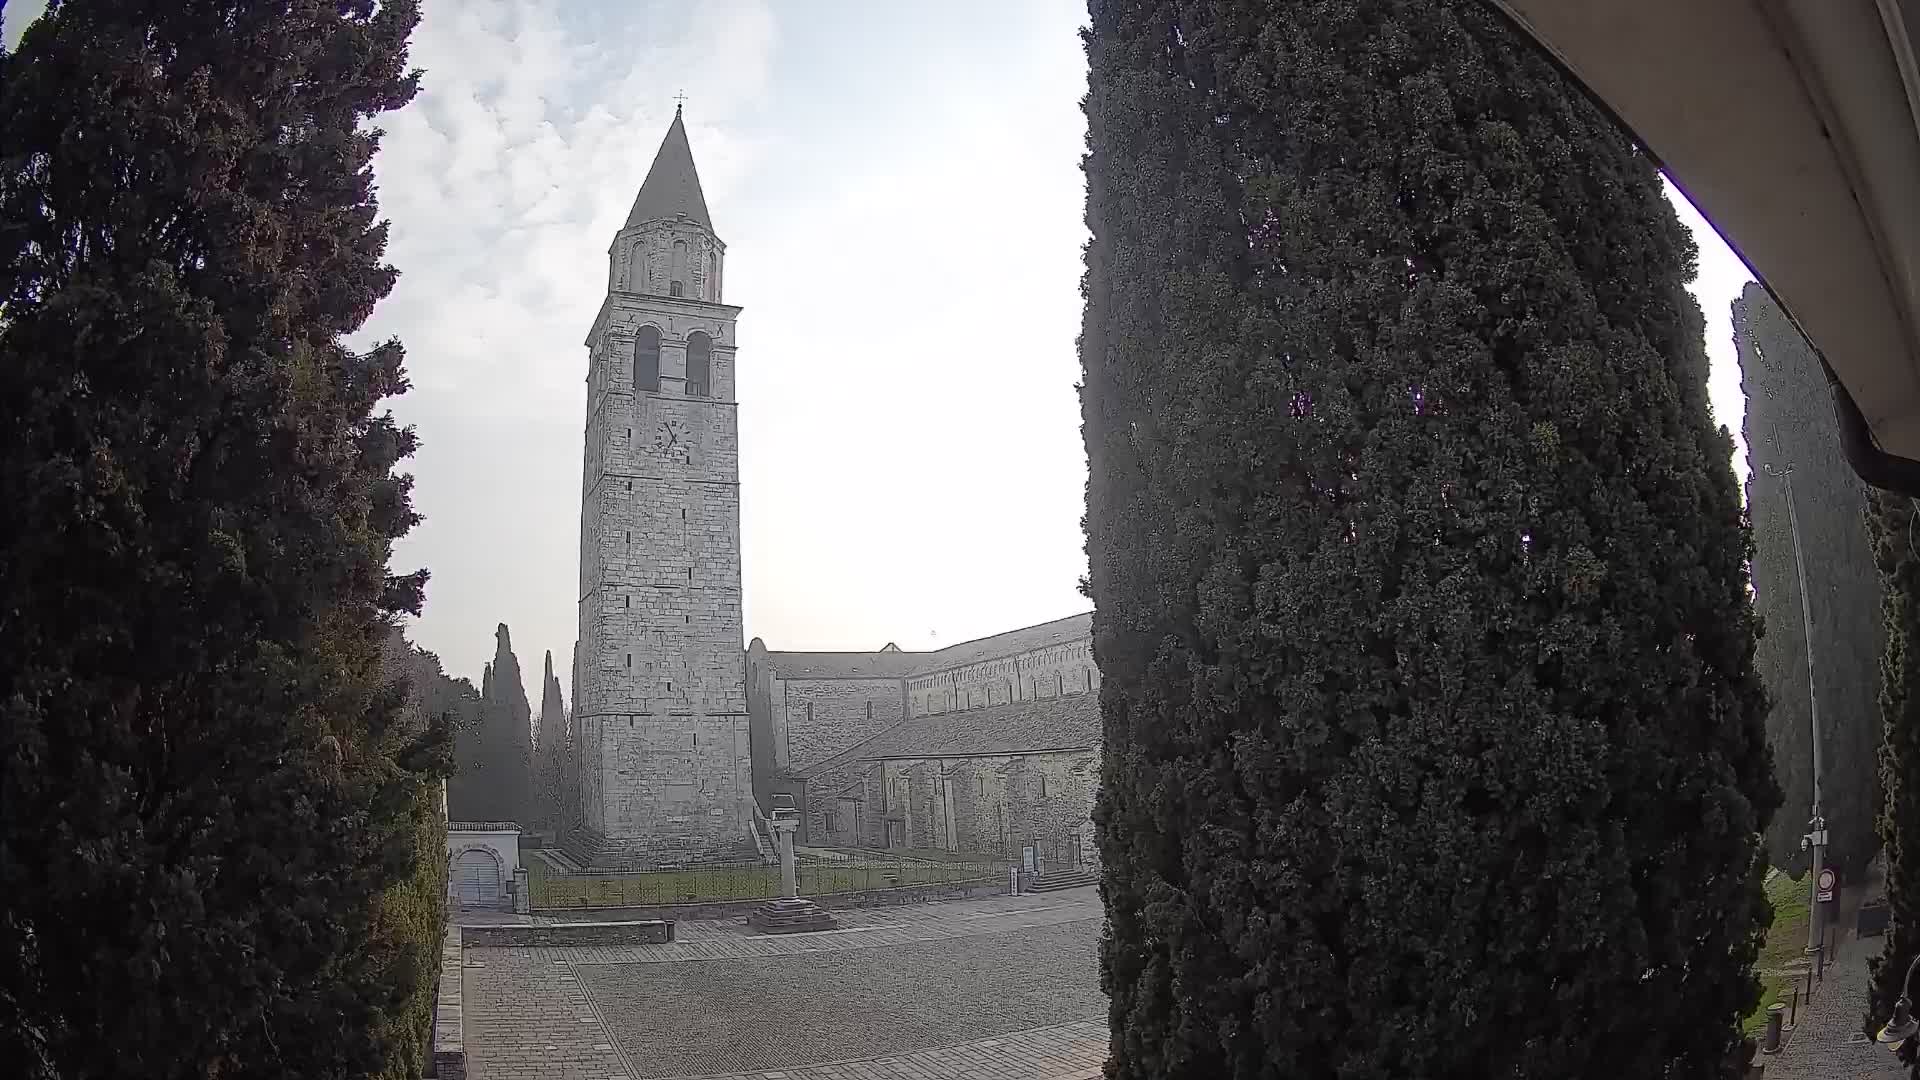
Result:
898,186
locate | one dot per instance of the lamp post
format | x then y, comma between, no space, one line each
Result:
1815,841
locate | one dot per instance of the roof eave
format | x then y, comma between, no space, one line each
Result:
1790,124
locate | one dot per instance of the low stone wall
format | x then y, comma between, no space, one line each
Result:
717,910
449,1032
595,932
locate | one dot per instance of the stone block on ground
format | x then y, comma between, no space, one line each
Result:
523,935
791,915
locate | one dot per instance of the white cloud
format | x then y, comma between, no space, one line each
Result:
504,182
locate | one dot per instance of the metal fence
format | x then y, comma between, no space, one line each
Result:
549,888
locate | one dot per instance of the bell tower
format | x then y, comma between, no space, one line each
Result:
661,709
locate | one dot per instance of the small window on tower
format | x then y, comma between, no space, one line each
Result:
679,275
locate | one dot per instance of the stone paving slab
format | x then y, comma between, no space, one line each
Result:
998,989
786,1012
537,1025
1062,1052
873,930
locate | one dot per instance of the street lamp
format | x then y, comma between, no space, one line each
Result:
1901,1029
1815,840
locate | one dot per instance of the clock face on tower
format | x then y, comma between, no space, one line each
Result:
670,439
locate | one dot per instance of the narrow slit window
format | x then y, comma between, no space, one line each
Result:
678,286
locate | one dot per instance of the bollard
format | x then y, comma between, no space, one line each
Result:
1776,1014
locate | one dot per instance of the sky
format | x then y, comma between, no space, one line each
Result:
899,189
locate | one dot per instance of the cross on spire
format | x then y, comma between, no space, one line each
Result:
679,100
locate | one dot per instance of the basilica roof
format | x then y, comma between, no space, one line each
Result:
892,662
1071,722
843,665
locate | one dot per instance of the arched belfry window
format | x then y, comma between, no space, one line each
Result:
646,360
713,277
679,276
699,365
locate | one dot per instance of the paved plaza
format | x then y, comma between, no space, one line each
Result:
1005,988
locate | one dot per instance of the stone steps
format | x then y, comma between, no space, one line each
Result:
797,915
1055,880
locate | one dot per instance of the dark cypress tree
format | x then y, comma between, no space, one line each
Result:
206,784
1895,524
471,794
550,748
493,760
509,719
1433,740
1790,425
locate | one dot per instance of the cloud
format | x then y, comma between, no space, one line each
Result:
18,13
504,182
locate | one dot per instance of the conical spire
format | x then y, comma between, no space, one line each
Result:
672,186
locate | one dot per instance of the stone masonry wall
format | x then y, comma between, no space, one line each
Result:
997,805
661,696
814,719
1040,673
642,260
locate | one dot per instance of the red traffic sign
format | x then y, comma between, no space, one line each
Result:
1824,890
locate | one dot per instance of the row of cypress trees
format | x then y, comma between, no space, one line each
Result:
1434,732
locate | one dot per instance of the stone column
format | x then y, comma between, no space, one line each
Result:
788,913
783,830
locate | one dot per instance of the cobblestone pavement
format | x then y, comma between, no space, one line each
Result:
1826,1043
1003,988
1065,1052
784,1011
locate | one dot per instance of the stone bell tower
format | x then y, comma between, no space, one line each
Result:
661,707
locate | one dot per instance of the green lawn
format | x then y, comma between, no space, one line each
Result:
1786,946
744,882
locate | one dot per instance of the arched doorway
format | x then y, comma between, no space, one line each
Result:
476,878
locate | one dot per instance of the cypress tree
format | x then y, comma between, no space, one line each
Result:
493,755
1433,742
207,783
509,719
471,795
1789,425
1895,525
550,749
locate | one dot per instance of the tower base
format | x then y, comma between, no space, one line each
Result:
595,851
